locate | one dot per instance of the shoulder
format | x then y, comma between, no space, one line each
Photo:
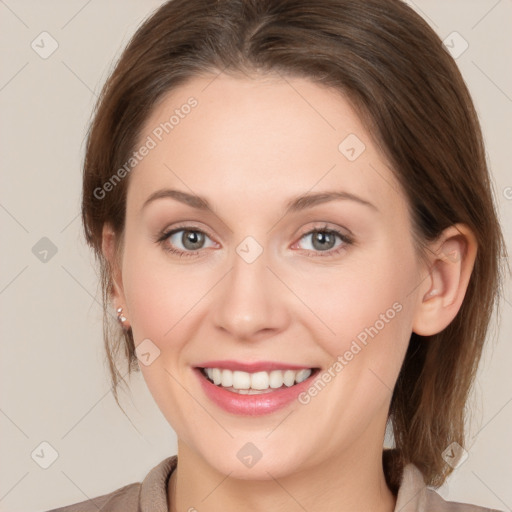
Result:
437,503
148,495
415,496
125,498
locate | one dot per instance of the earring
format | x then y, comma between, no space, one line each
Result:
120,315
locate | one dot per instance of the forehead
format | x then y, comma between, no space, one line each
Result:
258,137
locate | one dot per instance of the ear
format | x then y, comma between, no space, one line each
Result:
109,244
449,270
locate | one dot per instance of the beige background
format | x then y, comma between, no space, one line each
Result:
54,383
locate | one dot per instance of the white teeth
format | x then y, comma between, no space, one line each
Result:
241,380
302,375
217,376
276,379
289,378
227,379
259,380
254,383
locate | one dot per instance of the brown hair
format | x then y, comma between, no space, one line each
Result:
391,65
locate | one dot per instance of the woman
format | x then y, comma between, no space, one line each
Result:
292,213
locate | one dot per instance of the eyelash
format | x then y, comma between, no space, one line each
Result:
163,236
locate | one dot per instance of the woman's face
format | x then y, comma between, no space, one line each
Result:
261,276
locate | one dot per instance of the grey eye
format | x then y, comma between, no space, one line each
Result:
188,239
321,240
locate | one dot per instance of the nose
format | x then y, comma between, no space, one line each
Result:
250,302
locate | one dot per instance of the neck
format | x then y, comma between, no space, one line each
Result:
346,482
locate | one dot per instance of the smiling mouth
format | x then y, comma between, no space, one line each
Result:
245,383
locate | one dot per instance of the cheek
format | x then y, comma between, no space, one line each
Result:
148,300
162,296
366,308
151,293
369,307
160,301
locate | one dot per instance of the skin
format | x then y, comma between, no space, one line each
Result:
251,145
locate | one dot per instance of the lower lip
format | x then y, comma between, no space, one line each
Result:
252,405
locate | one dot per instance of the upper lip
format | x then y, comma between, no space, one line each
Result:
251,367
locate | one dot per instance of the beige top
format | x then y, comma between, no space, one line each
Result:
151,495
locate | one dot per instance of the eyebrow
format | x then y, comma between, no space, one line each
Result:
296,204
